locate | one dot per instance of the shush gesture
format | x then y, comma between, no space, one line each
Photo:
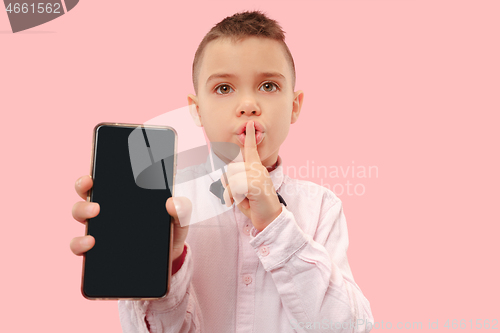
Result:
249,184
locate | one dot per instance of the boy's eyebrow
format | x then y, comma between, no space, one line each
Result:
218,76
227,75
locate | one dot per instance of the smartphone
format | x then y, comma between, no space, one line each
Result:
133,170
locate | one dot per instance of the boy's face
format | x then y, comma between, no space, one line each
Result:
247,80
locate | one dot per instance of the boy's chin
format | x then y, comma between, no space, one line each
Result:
228,151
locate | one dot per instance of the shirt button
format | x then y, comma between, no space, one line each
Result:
246,229
264,250
247,279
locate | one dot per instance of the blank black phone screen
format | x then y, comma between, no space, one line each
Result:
133,171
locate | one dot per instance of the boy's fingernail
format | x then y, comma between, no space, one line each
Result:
178,206
183,207
79,182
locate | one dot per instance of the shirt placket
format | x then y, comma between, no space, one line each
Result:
249,262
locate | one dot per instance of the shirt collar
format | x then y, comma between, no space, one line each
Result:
276,175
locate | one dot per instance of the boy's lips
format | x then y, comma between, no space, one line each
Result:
259,132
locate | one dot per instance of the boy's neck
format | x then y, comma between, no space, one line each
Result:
272,167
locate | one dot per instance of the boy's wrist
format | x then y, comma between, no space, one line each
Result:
270,218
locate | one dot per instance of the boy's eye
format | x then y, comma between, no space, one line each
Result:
269,87
223,89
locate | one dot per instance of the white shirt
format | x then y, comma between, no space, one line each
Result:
293,276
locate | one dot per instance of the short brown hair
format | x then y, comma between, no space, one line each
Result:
239,26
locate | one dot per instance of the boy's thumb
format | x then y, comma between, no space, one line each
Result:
180,209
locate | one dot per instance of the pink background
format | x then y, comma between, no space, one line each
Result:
411,87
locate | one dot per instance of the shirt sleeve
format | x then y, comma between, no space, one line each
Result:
178,312
313,277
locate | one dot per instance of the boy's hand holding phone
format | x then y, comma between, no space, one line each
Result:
84,210
251,186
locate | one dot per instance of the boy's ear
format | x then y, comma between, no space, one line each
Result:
194,110
297,105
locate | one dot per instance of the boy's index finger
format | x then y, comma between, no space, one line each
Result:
251,153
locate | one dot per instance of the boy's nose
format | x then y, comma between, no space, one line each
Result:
248,108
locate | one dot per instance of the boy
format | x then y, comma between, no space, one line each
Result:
276,261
